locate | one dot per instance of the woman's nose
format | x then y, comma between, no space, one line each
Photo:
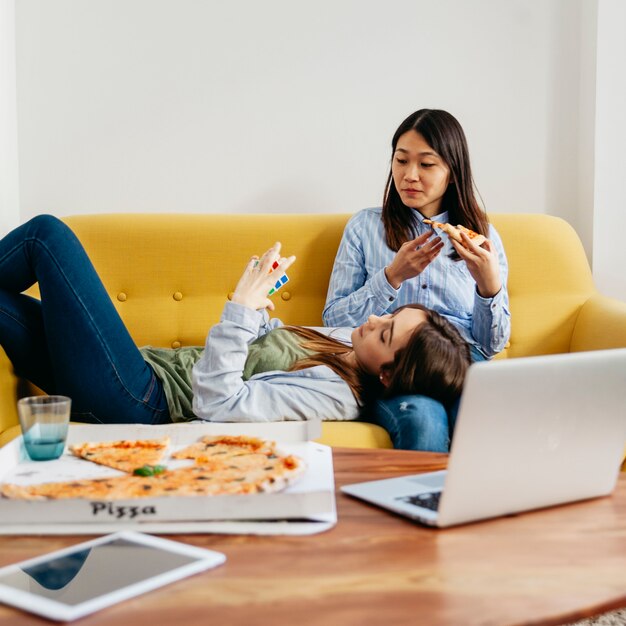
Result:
412,173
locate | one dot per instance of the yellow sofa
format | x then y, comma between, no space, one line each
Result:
169,275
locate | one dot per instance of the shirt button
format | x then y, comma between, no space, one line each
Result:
230,295
391,298
176,344
177,296
285,295
424,286
121,296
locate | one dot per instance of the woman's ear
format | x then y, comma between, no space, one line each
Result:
384,377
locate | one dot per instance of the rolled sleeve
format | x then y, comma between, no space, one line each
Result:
491,322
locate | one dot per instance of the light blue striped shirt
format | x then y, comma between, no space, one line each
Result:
359,288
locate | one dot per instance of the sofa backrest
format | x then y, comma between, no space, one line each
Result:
169,274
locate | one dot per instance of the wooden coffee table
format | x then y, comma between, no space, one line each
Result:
546,567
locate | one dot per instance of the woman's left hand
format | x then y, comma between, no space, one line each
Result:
482,263
258,278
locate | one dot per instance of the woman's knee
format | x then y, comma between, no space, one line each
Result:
47,232
424,414
46,224
415,423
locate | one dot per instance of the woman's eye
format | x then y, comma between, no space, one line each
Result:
428,164
401,161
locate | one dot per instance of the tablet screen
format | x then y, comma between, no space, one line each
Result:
95,574
96,571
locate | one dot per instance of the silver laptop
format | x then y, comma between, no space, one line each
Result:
531,432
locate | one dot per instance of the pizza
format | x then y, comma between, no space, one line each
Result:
123,455
197,480
454,232
223,465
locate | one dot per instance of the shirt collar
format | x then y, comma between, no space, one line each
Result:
442,217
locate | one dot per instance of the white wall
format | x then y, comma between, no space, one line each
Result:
609,249
208,106
9,179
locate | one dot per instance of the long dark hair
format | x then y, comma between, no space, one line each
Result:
443,133
433,362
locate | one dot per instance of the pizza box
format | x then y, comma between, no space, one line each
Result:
305,507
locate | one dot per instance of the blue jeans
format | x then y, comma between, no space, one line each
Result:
417,422
72,342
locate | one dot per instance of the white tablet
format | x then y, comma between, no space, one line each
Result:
89,576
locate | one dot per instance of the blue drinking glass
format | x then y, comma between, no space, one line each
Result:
44,421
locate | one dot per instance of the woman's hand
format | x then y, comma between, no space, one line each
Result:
412,258
257,279
482,263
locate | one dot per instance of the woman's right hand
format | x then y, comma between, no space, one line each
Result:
257,279
412,258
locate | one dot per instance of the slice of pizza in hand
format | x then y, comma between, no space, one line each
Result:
123,455
454,232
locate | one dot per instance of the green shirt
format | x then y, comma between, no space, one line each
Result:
174,367
276,350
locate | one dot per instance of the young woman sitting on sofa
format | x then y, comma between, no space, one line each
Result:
388,257
73,342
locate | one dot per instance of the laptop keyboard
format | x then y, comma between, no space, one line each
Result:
424,500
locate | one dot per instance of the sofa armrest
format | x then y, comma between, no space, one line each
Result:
8,395
601,324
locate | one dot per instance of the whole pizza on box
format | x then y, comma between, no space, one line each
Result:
226,464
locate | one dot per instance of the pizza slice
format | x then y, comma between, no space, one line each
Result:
454,232
221,448
123,455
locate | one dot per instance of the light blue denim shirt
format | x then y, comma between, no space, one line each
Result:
221,395
359,288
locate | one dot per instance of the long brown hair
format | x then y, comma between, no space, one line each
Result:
443,133
330,352
432,363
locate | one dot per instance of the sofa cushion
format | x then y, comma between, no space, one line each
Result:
354,435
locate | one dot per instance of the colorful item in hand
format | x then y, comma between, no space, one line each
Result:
280,282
